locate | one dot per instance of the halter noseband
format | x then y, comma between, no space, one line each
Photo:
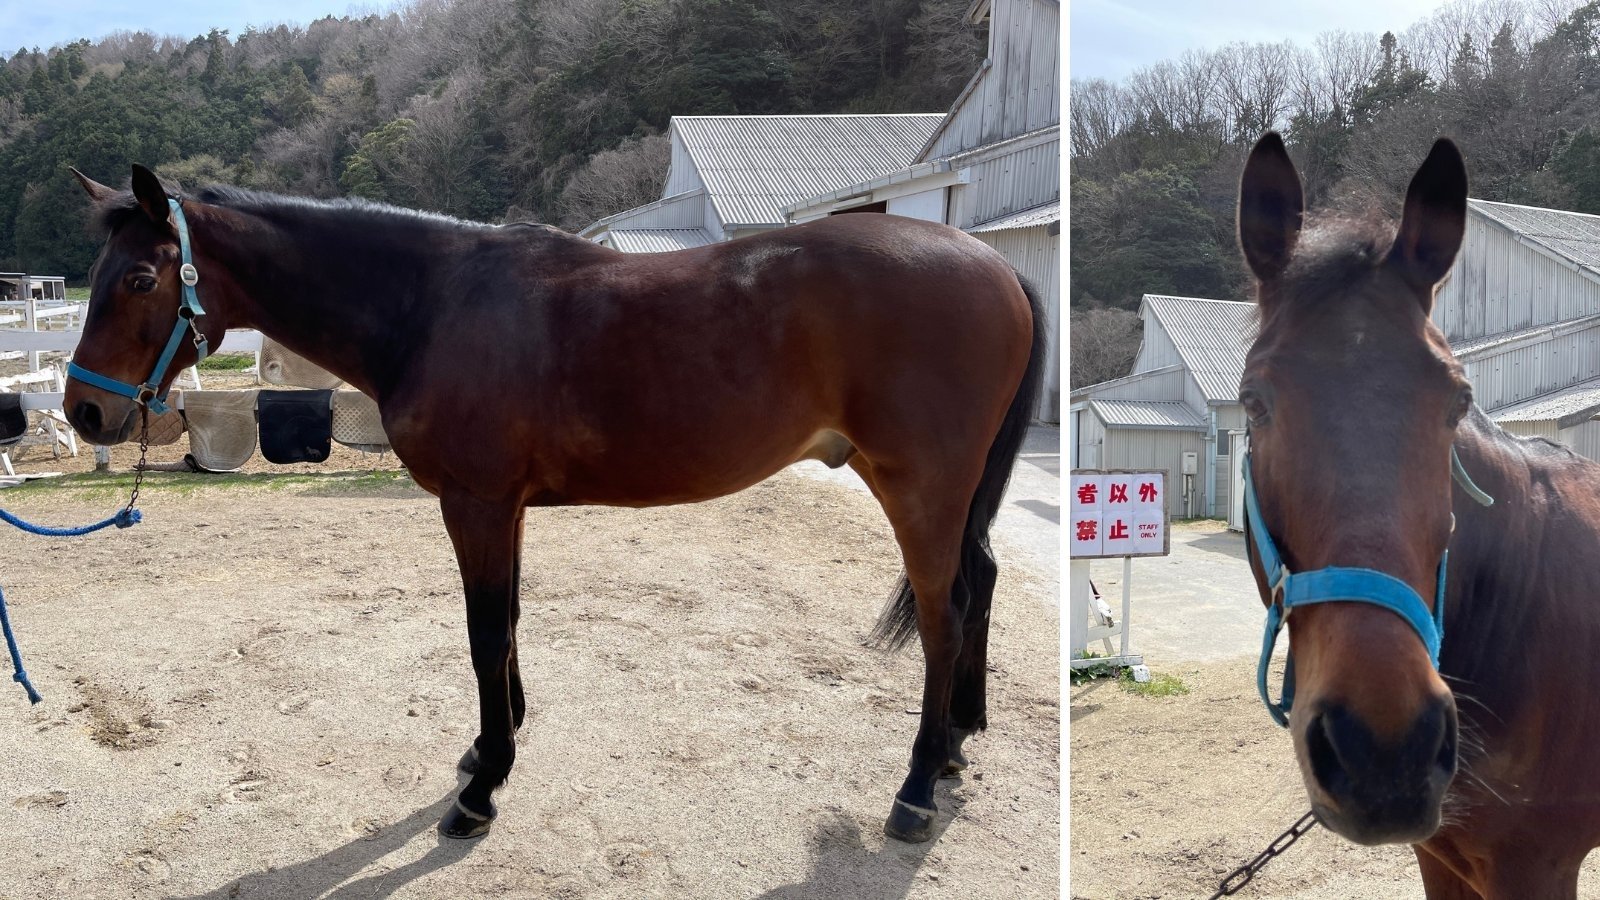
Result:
1339,584
146,394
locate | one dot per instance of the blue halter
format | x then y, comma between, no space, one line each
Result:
1339,584
146,394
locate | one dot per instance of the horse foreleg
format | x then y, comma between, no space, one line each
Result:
487,538
519,705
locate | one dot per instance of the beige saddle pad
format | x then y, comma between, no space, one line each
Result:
280,365
222,427
357,424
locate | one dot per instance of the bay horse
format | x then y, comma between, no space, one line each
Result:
1359,418
906,349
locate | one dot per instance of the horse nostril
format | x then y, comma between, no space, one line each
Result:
86,417
1326,766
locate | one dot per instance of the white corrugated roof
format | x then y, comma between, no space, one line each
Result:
657,240
1498,342
1567,407
1028,218
1211,336
754,166
1575,236
1147,414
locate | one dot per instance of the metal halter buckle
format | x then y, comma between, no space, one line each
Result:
188,274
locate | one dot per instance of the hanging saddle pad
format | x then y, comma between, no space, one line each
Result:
296,426
168,427
222,428
357,423
280,365
13,420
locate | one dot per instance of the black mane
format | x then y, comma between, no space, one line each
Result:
112,213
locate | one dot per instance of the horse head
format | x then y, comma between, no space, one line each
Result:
1353,400
144,323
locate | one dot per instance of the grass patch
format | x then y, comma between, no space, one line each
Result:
228,362
1094,672
78,294
1157,686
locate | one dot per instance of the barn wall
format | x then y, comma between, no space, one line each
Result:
1037,255
681,174
1011,182
926,205
1156,350
1584,439
1158,448
1165,386
1524,372
1500,284
1546,429
1020,91
1089,438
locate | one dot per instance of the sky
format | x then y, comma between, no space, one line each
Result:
44,23
1112,38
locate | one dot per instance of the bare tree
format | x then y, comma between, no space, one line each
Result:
1104,345
615,180
443,149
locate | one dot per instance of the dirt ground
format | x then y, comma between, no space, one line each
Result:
262,690
1169,794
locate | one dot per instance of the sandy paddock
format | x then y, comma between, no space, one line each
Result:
262,691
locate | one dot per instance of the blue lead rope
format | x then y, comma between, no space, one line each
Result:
125,518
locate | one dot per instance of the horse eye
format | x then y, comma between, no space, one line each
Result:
144,284
1462,406
1254,407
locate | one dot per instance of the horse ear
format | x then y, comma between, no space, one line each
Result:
151,195
96,191
1434,220
1271,205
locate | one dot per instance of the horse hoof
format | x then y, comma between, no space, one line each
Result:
462,823
469,760
908,823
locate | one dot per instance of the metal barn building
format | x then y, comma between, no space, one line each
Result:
1183,397
993,166
733,175
1521,308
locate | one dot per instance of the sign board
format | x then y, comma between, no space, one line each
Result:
1118,512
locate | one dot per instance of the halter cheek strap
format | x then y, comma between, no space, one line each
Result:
188,310
1339,584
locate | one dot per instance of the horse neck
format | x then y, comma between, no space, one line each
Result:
343,294
1507,562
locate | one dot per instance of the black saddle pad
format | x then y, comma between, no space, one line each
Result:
296,426
13,421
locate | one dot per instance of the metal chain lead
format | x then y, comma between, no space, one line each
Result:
1241,876
144,448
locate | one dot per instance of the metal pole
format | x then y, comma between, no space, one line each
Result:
1127,594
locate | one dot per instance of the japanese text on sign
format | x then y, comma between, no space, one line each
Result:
1118,514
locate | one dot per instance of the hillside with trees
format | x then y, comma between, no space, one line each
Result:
495,110
1155,159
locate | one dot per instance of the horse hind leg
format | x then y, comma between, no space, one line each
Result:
969,711
928,519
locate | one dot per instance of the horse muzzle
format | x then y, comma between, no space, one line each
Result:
1372,791
100,424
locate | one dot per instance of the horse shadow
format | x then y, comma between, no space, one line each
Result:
842,868
316,877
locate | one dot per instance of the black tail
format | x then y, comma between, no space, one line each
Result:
898,622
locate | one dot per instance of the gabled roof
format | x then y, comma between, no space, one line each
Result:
1211,337
1568,407
1572,236
1147,414
657,240
1043,214
754,166
1083,390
